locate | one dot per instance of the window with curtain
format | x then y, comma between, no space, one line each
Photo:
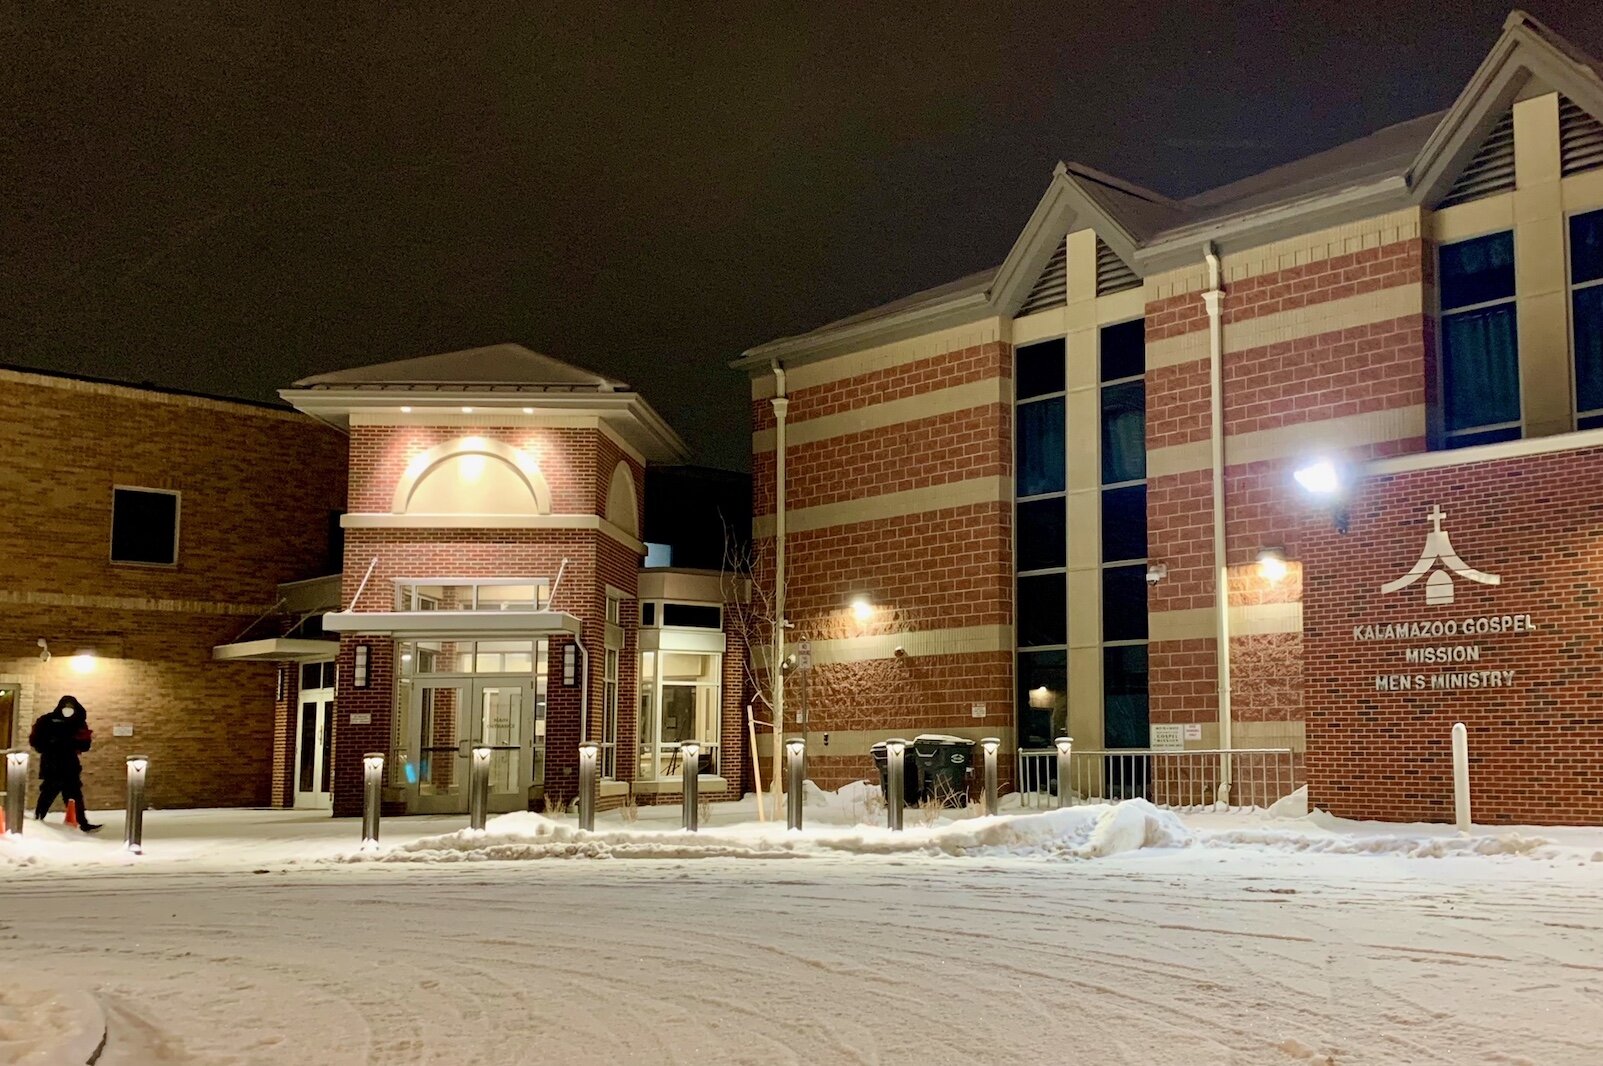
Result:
1586,316
1480,383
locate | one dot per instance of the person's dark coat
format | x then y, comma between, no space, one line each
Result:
59,739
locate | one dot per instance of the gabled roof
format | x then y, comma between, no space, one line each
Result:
494,366
501,379
1411,163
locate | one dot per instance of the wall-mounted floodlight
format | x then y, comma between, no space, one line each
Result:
1325,481
862,610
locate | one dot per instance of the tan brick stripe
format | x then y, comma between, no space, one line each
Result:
965,493
990,390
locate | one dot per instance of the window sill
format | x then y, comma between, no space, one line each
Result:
605,789
706,782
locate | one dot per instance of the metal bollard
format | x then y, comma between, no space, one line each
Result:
587,784
796,750
895,757
1065,746
989,745
1461,777
16,791
479,787
133,828
372,796
690,755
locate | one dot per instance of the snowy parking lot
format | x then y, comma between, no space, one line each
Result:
1106,934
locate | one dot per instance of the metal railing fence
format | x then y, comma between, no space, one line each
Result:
1182,780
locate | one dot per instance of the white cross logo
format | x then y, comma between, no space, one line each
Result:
1439,548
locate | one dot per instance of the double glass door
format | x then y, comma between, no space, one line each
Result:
451,717
314,736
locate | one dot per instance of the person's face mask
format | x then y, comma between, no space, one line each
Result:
68,712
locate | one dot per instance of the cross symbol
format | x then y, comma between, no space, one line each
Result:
1436,515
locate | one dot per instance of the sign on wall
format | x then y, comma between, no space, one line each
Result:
1433,640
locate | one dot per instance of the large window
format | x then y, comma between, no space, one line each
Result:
471,594
1124,535
609,690
1586,304
144,526
1040,537
680,700
1480,348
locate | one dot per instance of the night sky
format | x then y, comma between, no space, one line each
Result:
226,202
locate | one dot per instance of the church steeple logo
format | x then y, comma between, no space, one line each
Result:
1439,549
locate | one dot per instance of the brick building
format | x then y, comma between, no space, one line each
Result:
1149,481
493,592
148,528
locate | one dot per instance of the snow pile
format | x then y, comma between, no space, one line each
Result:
1396,844
1088,832
49,1027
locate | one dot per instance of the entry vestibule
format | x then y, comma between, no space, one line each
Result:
455,695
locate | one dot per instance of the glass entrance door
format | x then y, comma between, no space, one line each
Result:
450,718
314,737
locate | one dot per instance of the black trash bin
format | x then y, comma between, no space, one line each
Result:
910,774
944,766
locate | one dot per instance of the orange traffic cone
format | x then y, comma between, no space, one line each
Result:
72,813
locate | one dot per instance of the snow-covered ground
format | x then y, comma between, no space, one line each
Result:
1099,934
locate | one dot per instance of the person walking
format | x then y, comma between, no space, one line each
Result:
60,737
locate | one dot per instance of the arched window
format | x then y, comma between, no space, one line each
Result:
473,475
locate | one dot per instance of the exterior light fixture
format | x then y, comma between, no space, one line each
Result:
406,410
862,610
44,650
1272,565
1156,572
1324,480
796,770
990,745
1319,478
372,796
589,751
1065,746
83,662
467,410
528,410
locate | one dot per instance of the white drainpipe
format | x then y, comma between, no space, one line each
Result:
776,672
1213,300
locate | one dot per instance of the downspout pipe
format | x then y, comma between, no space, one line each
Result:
1213,301
781,403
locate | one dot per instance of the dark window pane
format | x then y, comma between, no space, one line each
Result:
1041,532
1124,432
648,614
142,526
1042,611
1043,697
1595,422
1124,350
1124,697
1586,247
1124,523
1480,368
1124,603
1039,369
1589,349
311,674
1476,271
308,745
692,616
1040,447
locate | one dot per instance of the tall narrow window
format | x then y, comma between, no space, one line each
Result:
1480,349
1040,606
1586,304
609,690
1124,535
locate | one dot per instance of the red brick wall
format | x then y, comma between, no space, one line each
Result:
1536,748
258,486
568,460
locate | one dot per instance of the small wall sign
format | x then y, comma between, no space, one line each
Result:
1168,737
977,710
122,729
1193,730
362,719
